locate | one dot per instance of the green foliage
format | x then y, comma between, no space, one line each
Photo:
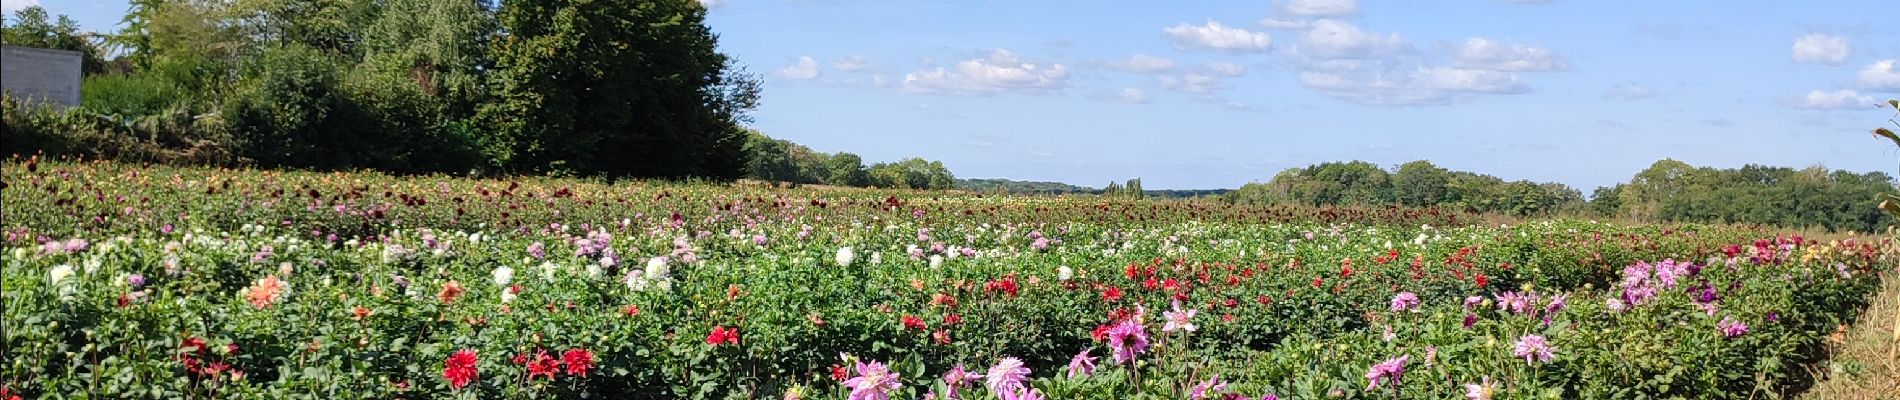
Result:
912,173
1890,203
1753,194
600,88
129,95
1415,184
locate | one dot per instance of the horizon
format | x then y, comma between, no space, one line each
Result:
1215,96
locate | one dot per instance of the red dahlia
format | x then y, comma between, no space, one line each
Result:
460,368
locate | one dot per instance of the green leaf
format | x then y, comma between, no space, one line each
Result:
1887,133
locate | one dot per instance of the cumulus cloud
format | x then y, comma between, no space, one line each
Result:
853,63
1194,82
1835,100
804,69
1000,72
1223,68
1334,39
1421,86
1214,36
709,4
1482,53
1821,49
1881,75
1143,63
1629,91
1127,95
1319,8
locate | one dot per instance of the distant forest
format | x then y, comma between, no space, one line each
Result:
1813,197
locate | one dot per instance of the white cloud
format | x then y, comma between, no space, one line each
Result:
9,6
1214,36
1835,100
998,73
851,63
1822,49
1289,24
803,69
1422,86
1319,8
1193,82
1881,75
1334,39
1128,95
1629,91
1223,68
1143,63
709,4
1482,53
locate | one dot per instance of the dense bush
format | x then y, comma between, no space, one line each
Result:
136,282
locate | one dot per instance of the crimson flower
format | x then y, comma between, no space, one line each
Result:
721,335
460,368
912,322
578,361
839,373
543,364
1112,294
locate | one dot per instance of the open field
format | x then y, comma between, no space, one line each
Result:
125,281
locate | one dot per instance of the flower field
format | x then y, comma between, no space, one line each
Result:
127,281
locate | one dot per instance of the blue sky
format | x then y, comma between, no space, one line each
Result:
1205,94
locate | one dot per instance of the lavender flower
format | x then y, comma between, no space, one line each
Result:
1731,328
1534,349
1212,385
1404,301
956,379
1473,301
872,382
1178,319
1481,391
135,280
1081,365
1389,371
1556,304
1007,376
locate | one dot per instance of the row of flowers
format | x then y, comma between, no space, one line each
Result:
691,291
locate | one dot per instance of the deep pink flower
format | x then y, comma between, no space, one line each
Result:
1128,339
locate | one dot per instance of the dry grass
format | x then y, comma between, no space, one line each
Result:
1866,356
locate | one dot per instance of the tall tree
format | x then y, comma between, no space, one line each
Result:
619,88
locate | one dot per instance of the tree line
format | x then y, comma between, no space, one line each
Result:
781,160
1669,190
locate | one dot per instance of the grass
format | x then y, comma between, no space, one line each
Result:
1866,356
